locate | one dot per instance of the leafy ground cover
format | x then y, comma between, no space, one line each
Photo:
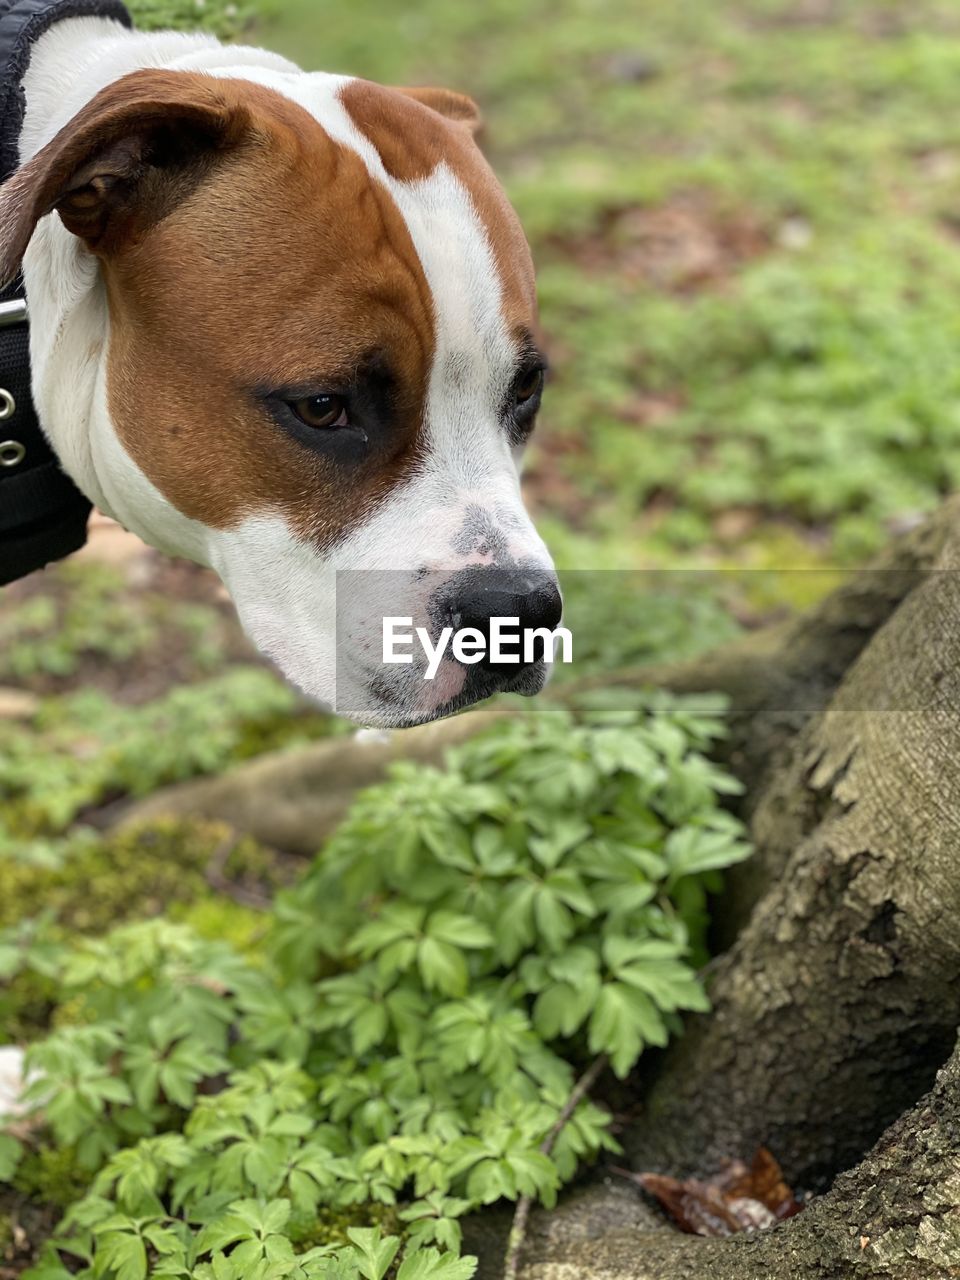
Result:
397,1040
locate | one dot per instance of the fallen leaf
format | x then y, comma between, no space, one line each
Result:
738,1198
695,1206
763,1181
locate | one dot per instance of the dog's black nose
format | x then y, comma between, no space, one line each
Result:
483,598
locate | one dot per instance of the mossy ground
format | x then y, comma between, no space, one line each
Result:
184,870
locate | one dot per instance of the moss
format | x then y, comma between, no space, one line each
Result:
108,880
27,1002
330,1226
273,733
223,919
52,1176
131,875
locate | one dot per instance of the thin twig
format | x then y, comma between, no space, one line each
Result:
518,1230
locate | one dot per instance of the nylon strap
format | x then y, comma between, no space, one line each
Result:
43,515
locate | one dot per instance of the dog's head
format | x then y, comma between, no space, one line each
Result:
321,362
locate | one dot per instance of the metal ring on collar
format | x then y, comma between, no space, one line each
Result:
13,312
8,406
12,453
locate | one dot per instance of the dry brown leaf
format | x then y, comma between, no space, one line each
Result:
738,1198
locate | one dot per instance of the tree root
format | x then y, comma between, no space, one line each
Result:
293,800
894,1217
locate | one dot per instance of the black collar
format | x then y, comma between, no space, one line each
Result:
43,515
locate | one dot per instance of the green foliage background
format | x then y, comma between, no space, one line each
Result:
744,216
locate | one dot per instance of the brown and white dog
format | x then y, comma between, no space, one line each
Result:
284,324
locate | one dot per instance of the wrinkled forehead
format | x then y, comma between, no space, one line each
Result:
361,214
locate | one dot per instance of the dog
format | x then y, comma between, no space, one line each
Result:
284,324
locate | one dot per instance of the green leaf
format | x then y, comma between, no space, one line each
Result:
222,1232
561,1008
10,1152
442,967
622,1023
564,834
428,1264
123,1253
692,850
554,921
375,1253
458,930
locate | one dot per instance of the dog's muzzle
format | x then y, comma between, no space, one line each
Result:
477,598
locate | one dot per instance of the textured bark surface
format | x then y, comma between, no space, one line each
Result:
895,1217
841,996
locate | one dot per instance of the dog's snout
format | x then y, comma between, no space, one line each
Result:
532,603
483,595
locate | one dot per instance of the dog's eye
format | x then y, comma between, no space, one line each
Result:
529,384
321,411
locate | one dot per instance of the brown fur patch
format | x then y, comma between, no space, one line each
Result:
94,161
286,265
243,248
413,135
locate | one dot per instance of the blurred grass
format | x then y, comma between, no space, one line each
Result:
224,18
746,220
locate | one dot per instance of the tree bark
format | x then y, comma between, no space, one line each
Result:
841,996
894,1217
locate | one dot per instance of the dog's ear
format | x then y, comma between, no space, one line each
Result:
123,161
454,106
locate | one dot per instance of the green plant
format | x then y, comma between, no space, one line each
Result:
413,1027
623,618
46,903
89,617
224,18
82,748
